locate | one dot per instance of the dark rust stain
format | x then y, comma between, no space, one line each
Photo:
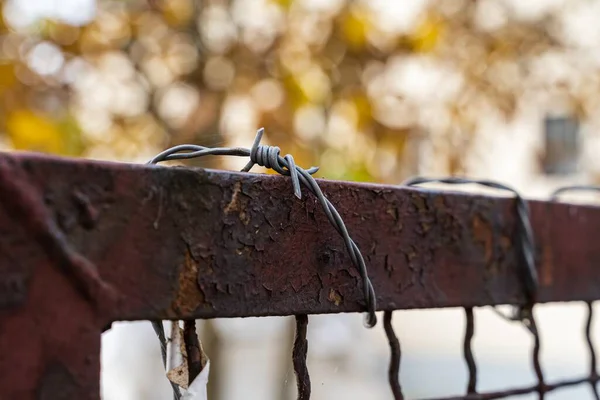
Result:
13,290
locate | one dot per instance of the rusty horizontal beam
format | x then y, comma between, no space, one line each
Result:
85,243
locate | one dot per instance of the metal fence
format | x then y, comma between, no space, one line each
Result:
86,243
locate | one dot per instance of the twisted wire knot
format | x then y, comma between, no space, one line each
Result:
269,157
266,156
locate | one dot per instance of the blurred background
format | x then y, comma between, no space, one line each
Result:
368,90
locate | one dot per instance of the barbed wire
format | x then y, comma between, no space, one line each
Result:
269,157
573,188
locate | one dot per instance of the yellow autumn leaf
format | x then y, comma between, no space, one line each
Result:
63,34
314,84
363,109
178,12
285,4
293,92
354,27
427,34
31,131
7,75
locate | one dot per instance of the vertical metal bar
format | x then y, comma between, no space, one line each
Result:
541,386
394,369
588,338
468,352
299,355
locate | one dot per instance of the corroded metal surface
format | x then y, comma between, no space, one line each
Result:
84,243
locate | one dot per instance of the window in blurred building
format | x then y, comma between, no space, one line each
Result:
561,155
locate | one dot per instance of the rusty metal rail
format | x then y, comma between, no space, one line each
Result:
85,243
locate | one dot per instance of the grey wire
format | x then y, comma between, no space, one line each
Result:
527,244
265,156
269,157
580,188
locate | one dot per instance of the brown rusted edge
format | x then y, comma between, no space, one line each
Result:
173,243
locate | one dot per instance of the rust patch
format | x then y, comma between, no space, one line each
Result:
237,204
419,203
335,297
234,204
393,212
410,255
189,295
